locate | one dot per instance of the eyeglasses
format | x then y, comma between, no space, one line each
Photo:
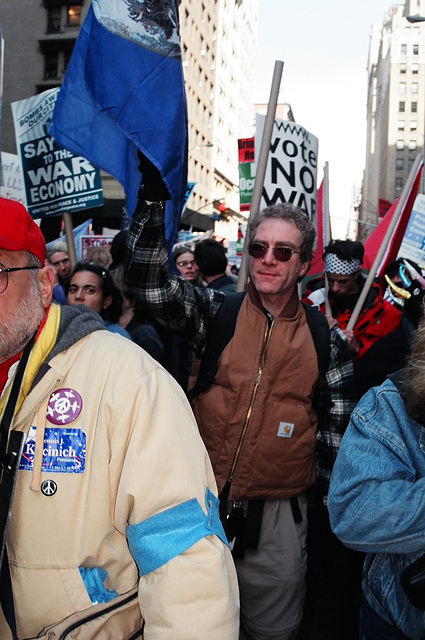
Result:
189,263
4,278
282,254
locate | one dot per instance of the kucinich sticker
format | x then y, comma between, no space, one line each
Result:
64,450
64,406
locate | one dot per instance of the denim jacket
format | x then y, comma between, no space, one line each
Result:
377,501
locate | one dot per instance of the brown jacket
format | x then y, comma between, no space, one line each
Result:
256,419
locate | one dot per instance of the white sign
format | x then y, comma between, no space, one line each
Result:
55,180
413,243
11,186
291,171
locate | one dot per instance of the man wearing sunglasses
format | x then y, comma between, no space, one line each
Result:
257,417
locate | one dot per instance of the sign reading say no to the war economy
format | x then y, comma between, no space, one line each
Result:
55,180
291,171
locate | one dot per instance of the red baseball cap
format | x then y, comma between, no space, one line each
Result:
18,231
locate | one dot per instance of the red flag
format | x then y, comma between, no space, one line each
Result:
383,207
317,266
374,241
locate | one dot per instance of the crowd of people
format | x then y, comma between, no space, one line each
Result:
281,499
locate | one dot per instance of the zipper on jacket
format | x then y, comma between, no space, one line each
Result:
38,403
266,341
113,606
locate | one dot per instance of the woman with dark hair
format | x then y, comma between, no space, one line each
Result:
92,285
135,319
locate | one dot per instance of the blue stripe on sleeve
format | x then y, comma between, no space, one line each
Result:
165,535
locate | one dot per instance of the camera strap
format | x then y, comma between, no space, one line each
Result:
10,449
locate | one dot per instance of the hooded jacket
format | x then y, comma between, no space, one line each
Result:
114,487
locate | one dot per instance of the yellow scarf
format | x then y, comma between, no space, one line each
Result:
42,347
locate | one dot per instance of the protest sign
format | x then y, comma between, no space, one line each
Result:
413,243
11,186
291,166
246,178
190,187
97,249
55,180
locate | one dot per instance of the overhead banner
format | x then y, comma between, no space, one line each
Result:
55,180
291,171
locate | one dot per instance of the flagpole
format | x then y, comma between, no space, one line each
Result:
384,244
261,166
326,229
69,234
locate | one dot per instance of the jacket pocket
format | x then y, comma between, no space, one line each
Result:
118,619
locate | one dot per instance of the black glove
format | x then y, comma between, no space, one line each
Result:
152,186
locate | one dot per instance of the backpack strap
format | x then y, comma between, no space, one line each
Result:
320,332
222,331
219,335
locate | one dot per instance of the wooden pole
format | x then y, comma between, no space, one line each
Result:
384,244
69,232
326,229
261,165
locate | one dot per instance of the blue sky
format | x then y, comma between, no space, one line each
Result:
324,47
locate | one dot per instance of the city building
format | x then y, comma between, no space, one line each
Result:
218,40
395,109
218,48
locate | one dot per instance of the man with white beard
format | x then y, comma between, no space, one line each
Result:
107,496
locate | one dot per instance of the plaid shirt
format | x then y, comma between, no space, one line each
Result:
189,311
343,391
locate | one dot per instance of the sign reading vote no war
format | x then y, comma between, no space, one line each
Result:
55,180
291,170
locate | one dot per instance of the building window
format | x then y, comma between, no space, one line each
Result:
400,145
73,15
403,49
401,125
415,68
413,125
414,107
402,106
399,164
51,64
402,87
412,145
403,67
398,184
415,49
414,87
66,58
54,19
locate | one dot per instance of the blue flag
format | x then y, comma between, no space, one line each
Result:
124,91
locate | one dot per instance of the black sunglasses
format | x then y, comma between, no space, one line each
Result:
282,254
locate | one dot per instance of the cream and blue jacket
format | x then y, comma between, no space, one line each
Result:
115,488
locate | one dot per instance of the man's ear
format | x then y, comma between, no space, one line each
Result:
45,280
305,266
